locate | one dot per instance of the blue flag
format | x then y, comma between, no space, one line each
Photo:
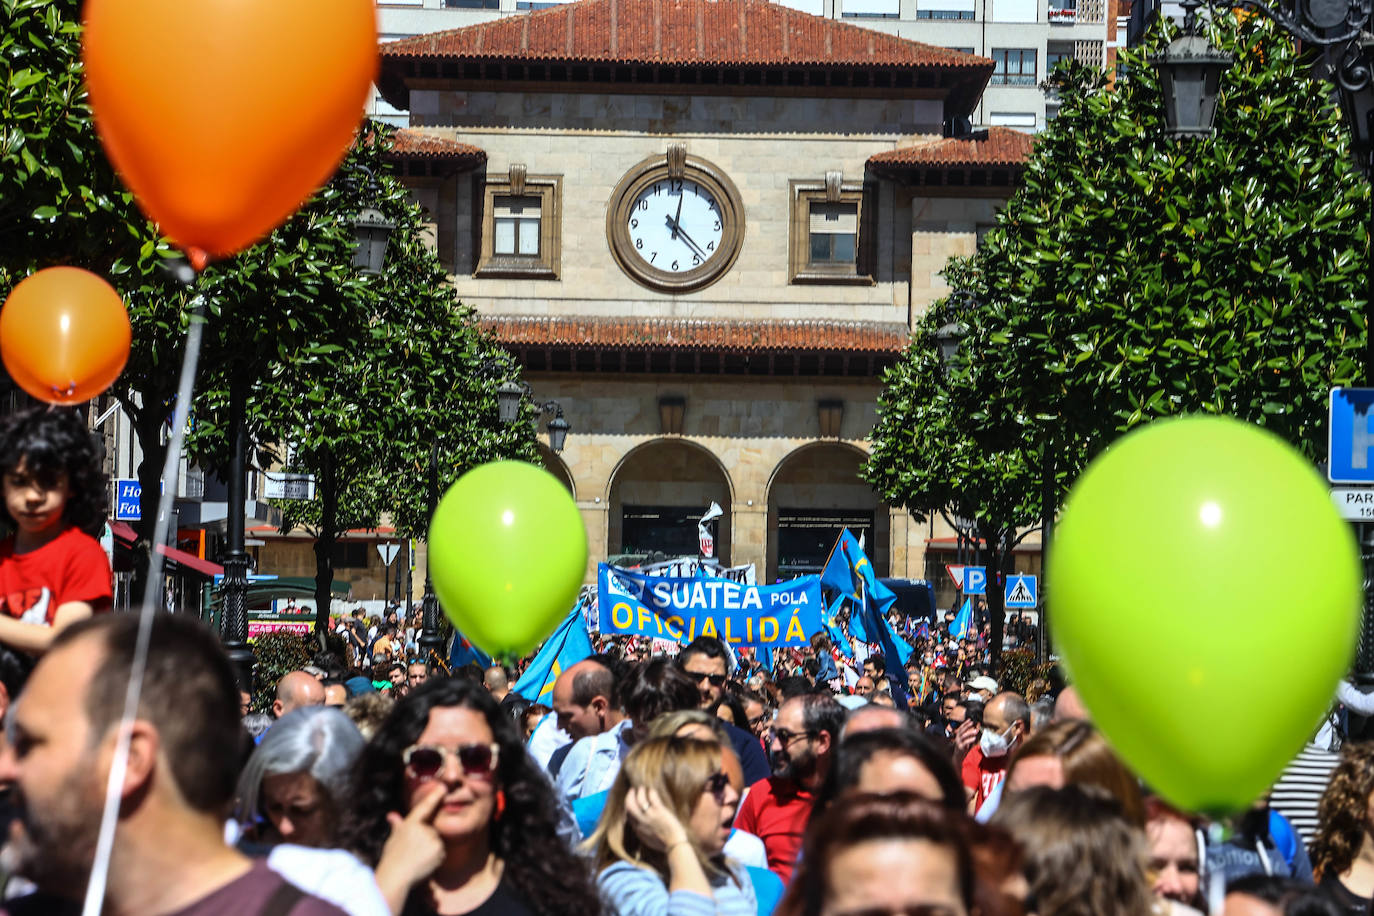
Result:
461,652
568,645
836,634
963,620
873,600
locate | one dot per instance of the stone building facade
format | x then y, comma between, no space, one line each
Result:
812,152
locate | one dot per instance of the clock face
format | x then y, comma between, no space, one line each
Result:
675,225
675,232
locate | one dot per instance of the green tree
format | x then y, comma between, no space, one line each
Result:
1135,276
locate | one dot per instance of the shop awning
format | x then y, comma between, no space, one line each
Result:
181,558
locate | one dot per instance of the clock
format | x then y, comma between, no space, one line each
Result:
675,223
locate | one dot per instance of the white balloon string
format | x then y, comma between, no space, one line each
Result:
152,595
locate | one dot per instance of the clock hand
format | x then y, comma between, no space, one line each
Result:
693,245
677,219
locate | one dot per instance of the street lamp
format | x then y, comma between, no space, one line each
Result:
508,396
558,427
1189,76
1341,28
373,233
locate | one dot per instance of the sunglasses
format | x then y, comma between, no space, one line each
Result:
426,761
717,680
717,784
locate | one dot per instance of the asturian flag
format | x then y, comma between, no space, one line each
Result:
568,645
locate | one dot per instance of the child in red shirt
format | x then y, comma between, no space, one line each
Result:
53,572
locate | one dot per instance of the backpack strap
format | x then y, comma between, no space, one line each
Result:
283,900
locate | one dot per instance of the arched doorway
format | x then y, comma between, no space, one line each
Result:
657,494
814,492
555,466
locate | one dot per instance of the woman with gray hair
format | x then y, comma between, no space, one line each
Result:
295,785
292,795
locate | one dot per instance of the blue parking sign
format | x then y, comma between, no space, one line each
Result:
1350,439
975,580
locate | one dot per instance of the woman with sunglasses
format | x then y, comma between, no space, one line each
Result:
456,816
658,847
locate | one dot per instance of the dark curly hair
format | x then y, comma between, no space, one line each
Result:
1343,810
51,441
538,863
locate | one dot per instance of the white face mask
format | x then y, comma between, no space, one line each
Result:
994,744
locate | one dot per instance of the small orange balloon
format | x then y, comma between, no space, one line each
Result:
64,335
222,116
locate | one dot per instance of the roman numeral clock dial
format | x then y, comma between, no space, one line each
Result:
678,231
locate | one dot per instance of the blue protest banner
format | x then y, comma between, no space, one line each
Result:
683,609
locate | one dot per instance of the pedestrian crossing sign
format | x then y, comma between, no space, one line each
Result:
1021,592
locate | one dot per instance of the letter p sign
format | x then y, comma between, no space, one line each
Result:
975,580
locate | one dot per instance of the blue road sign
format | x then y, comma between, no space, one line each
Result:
128,500
975,580
1350,439
1021,592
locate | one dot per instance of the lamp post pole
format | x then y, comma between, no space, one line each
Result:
431,642
235,588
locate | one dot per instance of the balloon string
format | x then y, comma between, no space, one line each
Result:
171,466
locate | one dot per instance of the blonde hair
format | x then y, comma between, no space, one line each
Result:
1088,760
670,723
678,770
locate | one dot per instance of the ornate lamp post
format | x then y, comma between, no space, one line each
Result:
372,232
508,396
1190,73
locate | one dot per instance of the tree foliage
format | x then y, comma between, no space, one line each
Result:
1135,276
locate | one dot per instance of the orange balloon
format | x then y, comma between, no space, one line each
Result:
64,335
222,116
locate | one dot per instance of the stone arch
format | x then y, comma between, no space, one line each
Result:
812,493
555,466
657,492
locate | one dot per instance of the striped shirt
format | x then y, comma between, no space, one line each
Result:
1299,788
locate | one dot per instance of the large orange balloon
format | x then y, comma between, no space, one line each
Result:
222,116
64,335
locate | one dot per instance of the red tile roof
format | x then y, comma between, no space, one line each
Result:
679,32
408,143
698,334
682,34
993,148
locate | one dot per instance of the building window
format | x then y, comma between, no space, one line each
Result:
1014,67
517,222
1055,52
520,228
1063,10
350,555
944,14
1024,120
870,9
473,4
963,50
832,234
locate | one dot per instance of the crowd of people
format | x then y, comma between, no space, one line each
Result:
645,779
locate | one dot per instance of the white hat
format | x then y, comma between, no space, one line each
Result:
983,682
851,701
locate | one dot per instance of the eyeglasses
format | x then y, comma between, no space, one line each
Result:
716,785
717,680
426,761
758,720
786,737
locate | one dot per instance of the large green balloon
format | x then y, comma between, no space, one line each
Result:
1205,596
507,552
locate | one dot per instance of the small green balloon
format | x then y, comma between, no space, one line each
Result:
507,553
1205,596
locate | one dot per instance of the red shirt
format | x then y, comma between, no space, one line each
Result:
982,775
776,811
70,567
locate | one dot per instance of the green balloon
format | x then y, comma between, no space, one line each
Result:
1205,596
507,553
